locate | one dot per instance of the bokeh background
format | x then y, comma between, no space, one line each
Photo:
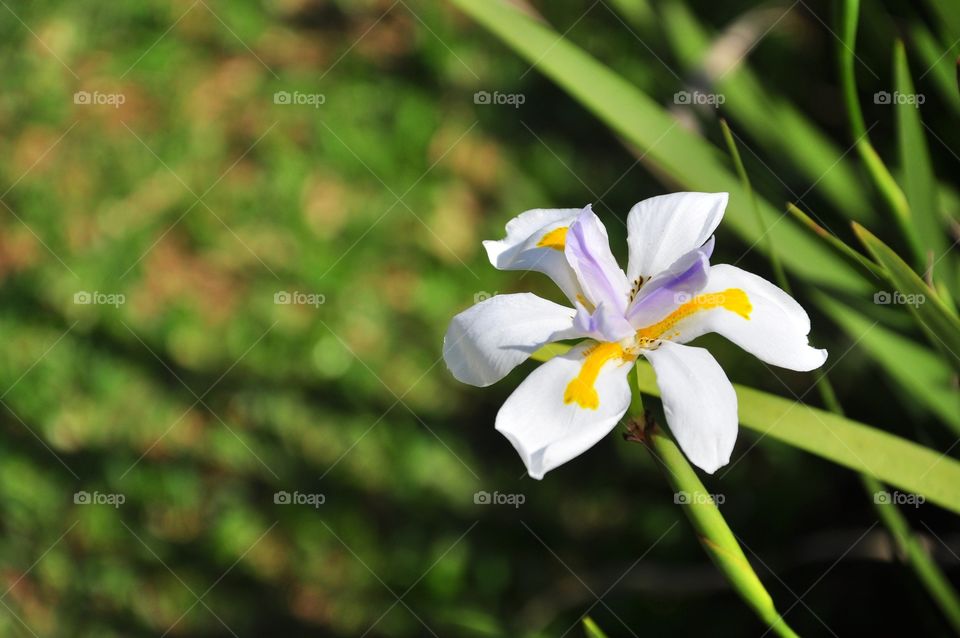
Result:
151,437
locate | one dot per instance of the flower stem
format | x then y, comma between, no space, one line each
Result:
719,542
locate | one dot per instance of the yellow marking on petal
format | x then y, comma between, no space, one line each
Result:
581,388
556,239
732,299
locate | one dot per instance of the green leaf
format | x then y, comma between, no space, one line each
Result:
939,323
943,67
712,530
591,629
772,122
884,456
920,184
837,244
920,372
893,459
682,156
878,171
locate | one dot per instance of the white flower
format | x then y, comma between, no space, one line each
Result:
669,295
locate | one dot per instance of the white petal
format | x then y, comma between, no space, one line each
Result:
699,402
670,288
776,331
588,253
488,340
546,431
662,229
519,250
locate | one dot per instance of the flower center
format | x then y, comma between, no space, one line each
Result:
581,389
732,299
556,239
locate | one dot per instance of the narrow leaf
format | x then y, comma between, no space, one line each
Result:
683,156
939,323
894,460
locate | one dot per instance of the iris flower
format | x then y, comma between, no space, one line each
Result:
669,295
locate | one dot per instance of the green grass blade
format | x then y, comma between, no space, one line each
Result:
942,65
772,252
591,629
773,122
917,555
894,460
837,244
939,322
920,183
682,156
878,171
715,536
921,373
947,17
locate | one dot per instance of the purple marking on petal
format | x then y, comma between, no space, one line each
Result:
601,324
670,289
588,252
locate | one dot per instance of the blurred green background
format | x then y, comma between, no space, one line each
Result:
184,163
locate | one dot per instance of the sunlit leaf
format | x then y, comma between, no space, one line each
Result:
939,322
682,156
921,373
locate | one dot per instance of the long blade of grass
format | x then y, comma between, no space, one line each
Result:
894,460
682,156
837,244
773,122
902,357
942,66
878,171
921,373
920,183
937,320
591,629
715,536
